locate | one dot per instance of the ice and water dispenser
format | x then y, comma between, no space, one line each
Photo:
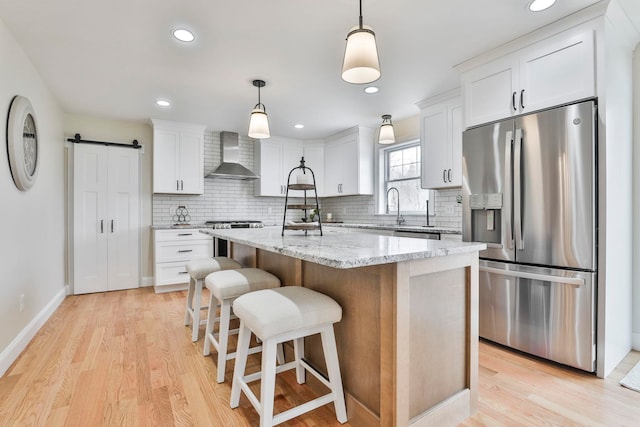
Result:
486,217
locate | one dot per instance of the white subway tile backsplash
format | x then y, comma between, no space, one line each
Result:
231,199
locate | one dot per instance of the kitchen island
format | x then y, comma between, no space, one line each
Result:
408,339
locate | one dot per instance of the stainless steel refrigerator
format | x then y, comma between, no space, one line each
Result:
529,191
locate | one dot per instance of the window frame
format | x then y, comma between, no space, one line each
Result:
383,175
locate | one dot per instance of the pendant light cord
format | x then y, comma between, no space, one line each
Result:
360,14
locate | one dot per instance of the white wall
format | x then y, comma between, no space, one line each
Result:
102,129
32,223
615,81
636,201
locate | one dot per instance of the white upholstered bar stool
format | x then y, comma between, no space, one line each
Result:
275,316
198,269
225,287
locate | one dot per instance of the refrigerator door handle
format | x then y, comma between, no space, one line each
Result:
507,188
517,190
573,281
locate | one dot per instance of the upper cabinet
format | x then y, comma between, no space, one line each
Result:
274,159
314,159
441,141
554,71
178,157
348,160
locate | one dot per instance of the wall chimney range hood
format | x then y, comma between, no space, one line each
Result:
230,168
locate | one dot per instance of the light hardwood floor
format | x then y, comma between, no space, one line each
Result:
125,358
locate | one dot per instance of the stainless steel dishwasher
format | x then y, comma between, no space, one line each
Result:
417,235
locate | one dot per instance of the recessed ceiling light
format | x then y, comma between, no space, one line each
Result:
183,35
163,103
298,126
539,5
371,89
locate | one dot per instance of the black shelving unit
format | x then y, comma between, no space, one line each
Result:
305,207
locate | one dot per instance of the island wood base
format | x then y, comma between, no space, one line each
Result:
408,339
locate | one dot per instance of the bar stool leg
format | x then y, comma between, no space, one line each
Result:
268,382
333,368
211,324
196,310
242,352
223,338
189,310
298,349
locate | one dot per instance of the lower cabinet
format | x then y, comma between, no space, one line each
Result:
105,218
173,249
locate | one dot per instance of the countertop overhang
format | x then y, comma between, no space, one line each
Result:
339,249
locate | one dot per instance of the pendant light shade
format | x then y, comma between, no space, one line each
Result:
361,64
259,122
387,136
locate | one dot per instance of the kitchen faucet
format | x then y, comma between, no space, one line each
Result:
399,220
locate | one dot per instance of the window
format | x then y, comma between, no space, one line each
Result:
402,171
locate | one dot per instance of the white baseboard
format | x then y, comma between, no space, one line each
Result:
13,350
147,281
635,341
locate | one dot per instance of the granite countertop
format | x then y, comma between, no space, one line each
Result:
340,249
394,227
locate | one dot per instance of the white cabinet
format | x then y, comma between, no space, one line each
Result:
314,159
441,141
349,161
106,218
173,249
551,72
178,158
274,159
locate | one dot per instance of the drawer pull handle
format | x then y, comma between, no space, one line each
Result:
185,234
184,250
182,272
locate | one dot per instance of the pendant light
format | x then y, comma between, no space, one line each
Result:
361,63
387,136
259,122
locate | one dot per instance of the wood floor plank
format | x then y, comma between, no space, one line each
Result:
125,358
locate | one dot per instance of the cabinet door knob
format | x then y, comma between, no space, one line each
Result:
522,99
513,101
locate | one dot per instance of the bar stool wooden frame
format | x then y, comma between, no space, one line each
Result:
194,293
268,372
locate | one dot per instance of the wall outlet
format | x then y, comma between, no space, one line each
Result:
21,303
448,210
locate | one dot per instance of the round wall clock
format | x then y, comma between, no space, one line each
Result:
22,142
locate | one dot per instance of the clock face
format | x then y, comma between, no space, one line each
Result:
22,142
30,144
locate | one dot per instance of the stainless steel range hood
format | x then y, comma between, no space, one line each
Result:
230,167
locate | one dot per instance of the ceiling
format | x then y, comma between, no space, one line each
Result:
114,58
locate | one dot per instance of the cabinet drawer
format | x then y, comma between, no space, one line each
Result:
180,235
171,272
183,251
